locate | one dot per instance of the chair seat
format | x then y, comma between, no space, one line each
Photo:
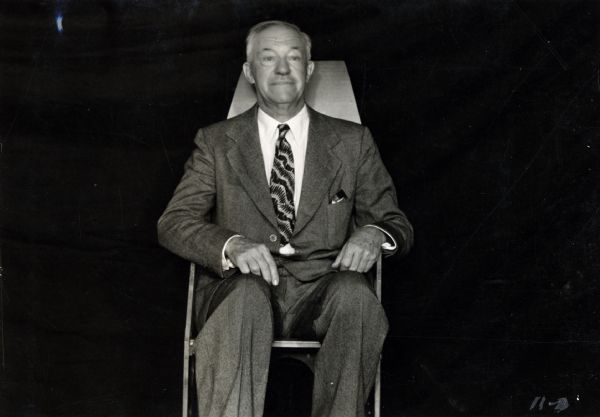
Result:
298,344
307,344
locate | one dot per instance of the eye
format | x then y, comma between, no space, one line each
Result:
267,59
295,58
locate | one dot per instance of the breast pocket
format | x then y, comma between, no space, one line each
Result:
338,221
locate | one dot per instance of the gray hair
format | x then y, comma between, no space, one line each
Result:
259,27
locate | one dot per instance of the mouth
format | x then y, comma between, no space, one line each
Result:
283,82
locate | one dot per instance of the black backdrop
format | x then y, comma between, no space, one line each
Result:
486,114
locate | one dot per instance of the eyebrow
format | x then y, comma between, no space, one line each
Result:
295,48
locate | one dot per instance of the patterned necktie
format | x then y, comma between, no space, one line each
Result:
282,185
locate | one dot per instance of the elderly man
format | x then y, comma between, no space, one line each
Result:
285,209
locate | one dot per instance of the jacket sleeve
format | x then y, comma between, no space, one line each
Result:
375,201
185,227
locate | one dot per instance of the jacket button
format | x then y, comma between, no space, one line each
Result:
273,238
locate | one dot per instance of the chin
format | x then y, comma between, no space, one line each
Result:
288,99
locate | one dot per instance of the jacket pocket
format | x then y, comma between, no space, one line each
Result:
338,222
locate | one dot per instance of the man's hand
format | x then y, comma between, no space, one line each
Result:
360,251
253,257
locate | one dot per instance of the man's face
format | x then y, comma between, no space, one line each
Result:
278,67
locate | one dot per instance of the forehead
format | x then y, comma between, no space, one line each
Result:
278,37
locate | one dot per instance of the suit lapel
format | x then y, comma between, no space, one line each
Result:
320,167
245,157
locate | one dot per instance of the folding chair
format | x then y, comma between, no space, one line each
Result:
329,92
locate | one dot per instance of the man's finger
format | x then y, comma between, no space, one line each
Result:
254,266
267,265
243,266
272,268
346,260
365,263
359,254
338,259
265,269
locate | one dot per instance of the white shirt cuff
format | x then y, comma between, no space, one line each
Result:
226,262
390,244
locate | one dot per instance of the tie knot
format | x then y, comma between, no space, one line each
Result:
283,129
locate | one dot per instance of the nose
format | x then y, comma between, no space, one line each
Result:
283,67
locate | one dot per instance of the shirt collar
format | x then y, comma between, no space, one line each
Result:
297,123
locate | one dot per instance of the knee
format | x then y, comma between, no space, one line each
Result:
349,309
353,296
351,287
250,287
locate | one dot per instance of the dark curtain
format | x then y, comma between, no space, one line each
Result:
486,115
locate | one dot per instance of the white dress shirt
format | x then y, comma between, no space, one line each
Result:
297,137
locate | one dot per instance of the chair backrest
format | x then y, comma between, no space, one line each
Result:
329,91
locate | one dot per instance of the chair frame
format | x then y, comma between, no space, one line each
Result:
188,344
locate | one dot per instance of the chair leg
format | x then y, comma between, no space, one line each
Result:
186,383
187,342
377,402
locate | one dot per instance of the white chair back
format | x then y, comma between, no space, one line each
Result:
329,91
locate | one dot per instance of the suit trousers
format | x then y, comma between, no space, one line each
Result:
239,316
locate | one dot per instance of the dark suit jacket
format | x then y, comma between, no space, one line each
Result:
224,191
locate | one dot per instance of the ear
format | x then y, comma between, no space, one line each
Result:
310,67
248,72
